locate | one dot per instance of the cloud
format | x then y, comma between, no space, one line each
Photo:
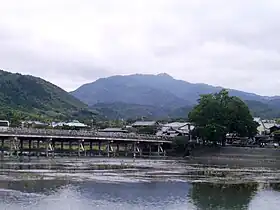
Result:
227,43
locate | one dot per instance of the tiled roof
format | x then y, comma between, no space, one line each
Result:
76,124
176,124
144,123
113,130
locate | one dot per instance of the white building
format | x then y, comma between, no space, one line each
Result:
264,125
175,129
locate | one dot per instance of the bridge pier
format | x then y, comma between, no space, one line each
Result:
125,149
62,148
14,146
49,147
52,142
118,150
81,147
91,150
2,146
38,148
29,147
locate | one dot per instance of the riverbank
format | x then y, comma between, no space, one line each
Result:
133,170
237,156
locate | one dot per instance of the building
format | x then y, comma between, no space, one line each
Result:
145,127
274,128
114,130
144,124
265,126
33,124
175,129
76,124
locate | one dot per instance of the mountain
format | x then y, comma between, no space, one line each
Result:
31,97
120,110
134,89
165,94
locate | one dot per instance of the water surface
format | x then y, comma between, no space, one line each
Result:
134,184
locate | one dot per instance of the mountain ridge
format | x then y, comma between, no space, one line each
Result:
26,96
160,90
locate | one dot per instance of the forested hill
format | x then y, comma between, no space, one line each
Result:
29,97
159,96
136,96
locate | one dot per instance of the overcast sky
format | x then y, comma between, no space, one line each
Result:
230,43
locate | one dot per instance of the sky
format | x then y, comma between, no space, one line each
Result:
232,43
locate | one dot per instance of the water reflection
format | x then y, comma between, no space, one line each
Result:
127,184
59,194
222,196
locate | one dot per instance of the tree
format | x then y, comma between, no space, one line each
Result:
217,114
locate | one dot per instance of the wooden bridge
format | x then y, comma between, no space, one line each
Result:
52,142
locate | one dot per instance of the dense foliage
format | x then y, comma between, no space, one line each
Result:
219,114
27,97
160,97
119,110
149,97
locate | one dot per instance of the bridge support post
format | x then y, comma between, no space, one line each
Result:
118,150
70,147
90,147
99,148
21,147
2,146
137,149
84,148
81,147
38,147
125,149
150,150
48,147
14,146
62,147
53,147
134,149
108,149
160,150
140,150
29,147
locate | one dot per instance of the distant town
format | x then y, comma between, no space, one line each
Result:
268,131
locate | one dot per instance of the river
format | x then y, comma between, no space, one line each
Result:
109,184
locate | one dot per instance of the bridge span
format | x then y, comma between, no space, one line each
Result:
53,142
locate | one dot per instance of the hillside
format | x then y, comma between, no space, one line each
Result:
29,97
159,89
162,91
120,110
134,89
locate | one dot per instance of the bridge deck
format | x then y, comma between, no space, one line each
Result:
85,135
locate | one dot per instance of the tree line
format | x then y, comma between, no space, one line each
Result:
218,114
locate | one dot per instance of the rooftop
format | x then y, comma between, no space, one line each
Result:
176,124
76,123
144,123
114,130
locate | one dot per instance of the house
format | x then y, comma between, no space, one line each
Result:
57,124
33,124
175,129
114,130
75,124
274,128
264,126
145,127
144,124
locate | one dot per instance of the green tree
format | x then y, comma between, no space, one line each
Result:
218,114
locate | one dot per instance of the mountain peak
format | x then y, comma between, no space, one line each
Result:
164,75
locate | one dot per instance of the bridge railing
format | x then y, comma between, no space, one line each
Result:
78,133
